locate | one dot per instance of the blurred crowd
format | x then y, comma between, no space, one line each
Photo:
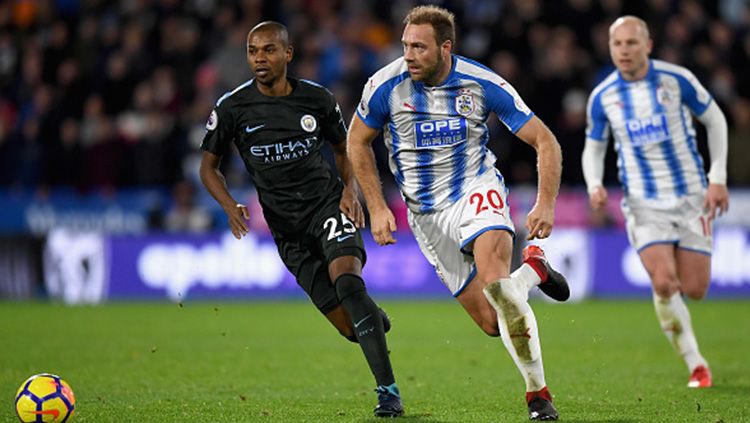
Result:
99,94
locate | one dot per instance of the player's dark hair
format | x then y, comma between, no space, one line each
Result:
276,27
442,21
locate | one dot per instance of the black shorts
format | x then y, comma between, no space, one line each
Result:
329,235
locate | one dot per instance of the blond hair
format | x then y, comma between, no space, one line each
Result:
442,21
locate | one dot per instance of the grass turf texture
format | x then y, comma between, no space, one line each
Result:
606,361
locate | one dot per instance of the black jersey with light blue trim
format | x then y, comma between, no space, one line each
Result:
279,140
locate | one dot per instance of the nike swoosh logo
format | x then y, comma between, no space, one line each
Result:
55,413
360,322
250,130
341,238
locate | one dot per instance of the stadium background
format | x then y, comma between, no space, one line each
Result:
103,106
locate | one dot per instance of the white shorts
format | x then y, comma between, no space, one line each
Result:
680,221
446,236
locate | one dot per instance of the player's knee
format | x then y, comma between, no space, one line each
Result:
485,278
695,291
347,285
490,329
665,284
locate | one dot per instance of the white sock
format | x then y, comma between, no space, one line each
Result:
674,318
518,329
527,275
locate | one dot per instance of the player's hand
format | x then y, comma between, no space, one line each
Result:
352,208
238,217
383,225
540,220
598,198
717,197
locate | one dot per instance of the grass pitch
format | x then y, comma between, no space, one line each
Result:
606,361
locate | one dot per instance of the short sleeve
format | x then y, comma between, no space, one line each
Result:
333,129
373,106
510,108
219,131
692,93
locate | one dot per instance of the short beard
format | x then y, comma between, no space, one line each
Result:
429,78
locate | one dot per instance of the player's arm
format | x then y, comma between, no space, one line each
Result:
594,152
216,185
717,196
592,163
362,158
549,166
699,101
350,204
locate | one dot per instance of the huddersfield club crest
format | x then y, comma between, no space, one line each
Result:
465,102
663,95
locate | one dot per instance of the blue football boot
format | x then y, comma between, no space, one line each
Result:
389,401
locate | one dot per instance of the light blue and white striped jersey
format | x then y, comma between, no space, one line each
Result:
437,136
657,153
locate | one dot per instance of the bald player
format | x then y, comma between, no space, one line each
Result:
669,203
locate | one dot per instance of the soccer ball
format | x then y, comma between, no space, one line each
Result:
45,398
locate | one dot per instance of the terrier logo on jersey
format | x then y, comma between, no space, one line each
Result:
308,123
213,120
439,133
663,95
465,102
650,130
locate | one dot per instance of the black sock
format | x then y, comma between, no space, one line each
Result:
367,324
386,326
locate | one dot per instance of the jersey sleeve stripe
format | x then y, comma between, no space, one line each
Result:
313,83
597,124
230,93
379,102
691,91
500,96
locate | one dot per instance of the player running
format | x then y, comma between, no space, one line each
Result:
668,204
433,107
278,124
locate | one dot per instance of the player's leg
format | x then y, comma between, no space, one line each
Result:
340,319
694,248
694,270
365,317
673,315
508,295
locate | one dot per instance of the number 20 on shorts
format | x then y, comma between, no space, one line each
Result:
492,200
